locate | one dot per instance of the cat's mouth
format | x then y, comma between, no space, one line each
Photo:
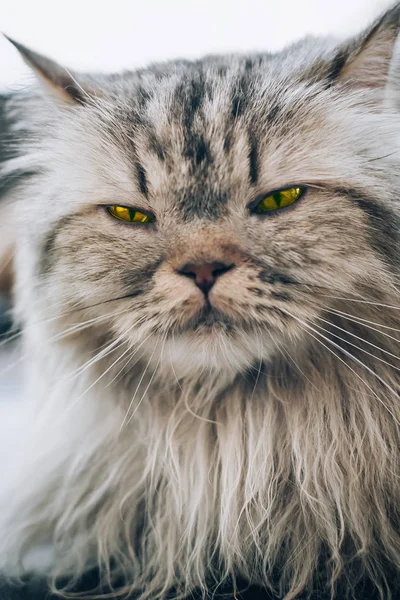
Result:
211,341
208,319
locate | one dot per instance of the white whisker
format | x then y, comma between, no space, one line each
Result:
355,372
148,385
362,340
367,323
137,388
129,360
370,302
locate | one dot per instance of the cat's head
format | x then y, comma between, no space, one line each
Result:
209,212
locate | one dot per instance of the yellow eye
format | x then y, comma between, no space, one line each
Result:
129,215
279,199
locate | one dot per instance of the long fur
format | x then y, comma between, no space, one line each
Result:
174,451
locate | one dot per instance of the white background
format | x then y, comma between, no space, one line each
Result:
113,34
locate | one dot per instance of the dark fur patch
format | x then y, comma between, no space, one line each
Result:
143,96
133,278
135,292
195,94
257,291
281,296
253,159
384,224
142,179
201,203
197,150
189,96
236,111
272,114
73,91
274,277
275,311
228,140
336,67
240,96
46,257
156,146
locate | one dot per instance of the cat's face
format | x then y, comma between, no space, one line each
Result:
196,149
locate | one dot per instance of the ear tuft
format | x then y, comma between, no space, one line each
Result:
56,78
365,61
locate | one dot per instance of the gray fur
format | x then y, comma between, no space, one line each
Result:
184,441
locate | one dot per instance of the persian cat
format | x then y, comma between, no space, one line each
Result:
207,266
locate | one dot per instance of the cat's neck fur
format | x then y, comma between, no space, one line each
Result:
285,459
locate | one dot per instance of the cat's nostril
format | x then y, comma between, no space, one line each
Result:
220,268
204,274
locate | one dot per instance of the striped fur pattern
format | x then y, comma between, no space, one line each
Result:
177,443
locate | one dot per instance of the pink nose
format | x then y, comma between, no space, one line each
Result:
205,274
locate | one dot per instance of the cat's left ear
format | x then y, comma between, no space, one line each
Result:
368,61
60,82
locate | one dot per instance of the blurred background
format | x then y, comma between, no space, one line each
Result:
110,36
124,34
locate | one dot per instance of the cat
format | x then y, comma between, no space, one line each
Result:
206,274
6,232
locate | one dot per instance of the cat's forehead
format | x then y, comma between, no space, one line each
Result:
198,132
196,135
224,86
202,127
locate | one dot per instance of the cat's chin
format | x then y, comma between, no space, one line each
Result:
191,354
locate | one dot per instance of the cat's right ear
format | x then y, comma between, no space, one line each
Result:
59,81
368,60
